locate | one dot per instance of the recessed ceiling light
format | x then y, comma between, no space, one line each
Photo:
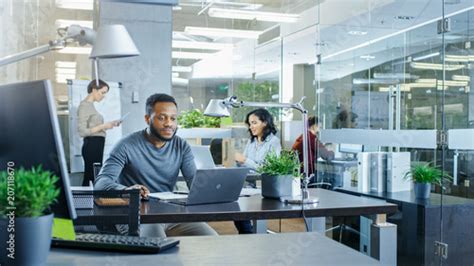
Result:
201,45
76,50
418,58
252,15
357,32
367,57
62,23
220,32
189,55
75,4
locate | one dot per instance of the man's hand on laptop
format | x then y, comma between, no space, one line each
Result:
143,190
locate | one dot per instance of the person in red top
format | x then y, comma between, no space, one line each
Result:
315,148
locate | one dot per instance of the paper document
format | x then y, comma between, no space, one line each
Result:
250,191
80,188
124,116
167,195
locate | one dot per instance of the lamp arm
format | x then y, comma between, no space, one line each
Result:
27,54
77,33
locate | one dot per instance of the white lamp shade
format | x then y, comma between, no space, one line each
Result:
216,108
113,41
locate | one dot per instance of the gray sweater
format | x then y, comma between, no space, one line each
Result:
134,160
87,118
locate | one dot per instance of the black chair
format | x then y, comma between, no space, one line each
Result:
108,212
96,169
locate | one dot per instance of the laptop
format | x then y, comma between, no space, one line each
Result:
202,157
215,185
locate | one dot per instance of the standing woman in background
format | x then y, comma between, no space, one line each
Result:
262,141
92,128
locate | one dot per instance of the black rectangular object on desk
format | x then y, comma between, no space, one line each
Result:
120,243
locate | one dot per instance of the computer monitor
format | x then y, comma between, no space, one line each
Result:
30,136
350,148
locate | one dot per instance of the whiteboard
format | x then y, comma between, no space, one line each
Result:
109,108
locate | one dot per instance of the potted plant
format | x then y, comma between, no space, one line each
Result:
25,218
423,175
280,175
195,118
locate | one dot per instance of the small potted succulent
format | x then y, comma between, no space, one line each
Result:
280,175
25,218
423,175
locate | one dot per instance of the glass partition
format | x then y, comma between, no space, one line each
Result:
397,75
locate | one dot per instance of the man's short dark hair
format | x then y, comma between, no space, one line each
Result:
93,85
313,120
158,98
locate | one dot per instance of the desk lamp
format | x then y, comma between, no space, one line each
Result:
111,41
220,108
68,35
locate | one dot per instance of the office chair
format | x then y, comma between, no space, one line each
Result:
343,227
96,169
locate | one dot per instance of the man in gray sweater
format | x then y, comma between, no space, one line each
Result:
150,160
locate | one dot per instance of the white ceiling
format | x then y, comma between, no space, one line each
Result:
324,29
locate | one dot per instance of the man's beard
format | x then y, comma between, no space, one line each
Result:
157,134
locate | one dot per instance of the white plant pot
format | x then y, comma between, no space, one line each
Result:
296,187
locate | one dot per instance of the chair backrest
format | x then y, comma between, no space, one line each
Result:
96,169
110,208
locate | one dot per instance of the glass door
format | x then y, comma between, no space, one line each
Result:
456,109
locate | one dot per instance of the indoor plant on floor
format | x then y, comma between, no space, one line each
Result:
25,219
280,175
423,175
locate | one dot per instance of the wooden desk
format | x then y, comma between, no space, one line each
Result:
256,208
271,249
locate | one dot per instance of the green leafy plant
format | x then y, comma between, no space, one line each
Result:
195,118
287,163
256,92
425,173
31,192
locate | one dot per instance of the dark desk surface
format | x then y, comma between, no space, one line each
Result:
331,203
270,249
409,197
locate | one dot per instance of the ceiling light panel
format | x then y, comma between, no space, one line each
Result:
189,55
62,23
76,50
75,4
252,15
201,45
220,32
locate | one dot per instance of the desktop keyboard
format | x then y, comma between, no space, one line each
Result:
120,243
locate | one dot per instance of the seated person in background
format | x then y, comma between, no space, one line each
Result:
262,141
315,148
150,160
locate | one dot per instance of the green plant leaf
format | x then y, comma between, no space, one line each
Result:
425,173
195,118
33,190
287,163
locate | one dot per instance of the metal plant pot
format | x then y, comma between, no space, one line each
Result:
276,187
29,243
422,190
